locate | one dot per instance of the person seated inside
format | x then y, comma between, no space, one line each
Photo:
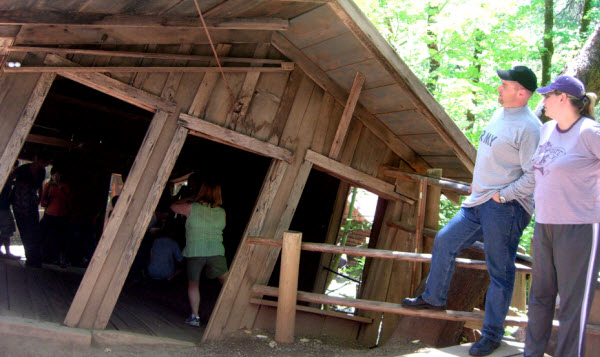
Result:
164,256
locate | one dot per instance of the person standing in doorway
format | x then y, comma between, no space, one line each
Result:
25,201
203,241
498,209
566,257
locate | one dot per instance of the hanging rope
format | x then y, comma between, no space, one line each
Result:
216,57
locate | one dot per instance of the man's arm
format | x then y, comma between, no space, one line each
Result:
525,184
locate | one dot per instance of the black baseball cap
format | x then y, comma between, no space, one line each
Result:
521,74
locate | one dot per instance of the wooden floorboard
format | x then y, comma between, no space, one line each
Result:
45,295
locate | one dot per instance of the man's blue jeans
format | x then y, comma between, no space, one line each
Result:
501,226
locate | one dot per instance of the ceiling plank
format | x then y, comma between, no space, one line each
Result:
55,18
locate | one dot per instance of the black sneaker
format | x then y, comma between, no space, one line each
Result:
483,347
193,320
419,304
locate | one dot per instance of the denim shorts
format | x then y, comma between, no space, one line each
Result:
215,267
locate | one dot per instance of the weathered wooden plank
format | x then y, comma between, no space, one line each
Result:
164,161
285,105
232,138
288,287
372,40
149,55
315,26
454,186
377,75
232,8
407,122
313,310
427,144
355,177
113,87
78,309
56,18
74,35
344,123
207,85
20,103
107,69
337,52
370,121
242,104
386,99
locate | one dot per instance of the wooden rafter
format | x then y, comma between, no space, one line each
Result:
81,69
54,18
152,55
344,124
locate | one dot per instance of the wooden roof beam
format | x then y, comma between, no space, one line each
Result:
369,120
80,69
340,134
153,55
55,18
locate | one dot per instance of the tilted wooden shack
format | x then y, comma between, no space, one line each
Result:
308,90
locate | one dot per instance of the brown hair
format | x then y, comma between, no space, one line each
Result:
586,105
210,193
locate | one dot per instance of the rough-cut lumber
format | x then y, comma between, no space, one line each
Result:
229,137
416,276
113,87
50,141
69,69
378,253
314,310
344,124
340,95
288,286
104,278
200,102
232,8
355,177
445,184
150,55
372,39
54,18
20,103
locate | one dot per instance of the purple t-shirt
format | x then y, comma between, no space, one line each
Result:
567,174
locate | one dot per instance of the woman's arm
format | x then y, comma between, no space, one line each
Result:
182,208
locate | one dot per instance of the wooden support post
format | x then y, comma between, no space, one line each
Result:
22,98
104,277
340,134
288,287
416,276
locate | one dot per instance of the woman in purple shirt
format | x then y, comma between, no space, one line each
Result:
567,208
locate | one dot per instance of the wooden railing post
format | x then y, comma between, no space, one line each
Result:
288,287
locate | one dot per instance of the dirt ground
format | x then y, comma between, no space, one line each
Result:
243,343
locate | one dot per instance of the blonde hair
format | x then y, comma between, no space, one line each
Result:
586,105
210,193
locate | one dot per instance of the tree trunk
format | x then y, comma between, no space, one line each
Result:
585,20
478,36
548,48
585,66
432,44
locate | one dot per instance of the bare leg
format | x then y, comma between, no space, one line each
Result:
223,278
194,296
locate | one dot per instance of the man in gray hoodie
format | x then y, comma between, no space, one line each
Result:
498,209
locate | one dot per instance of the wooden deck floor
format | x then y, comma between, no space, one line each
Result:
46,294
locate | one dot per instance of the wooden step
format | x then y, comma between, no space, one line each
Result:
261,290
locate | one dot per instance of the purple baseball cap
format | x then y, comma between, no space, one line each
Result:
521,74
565,84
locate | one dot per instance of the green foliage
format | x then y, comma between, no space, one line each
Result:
474,38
